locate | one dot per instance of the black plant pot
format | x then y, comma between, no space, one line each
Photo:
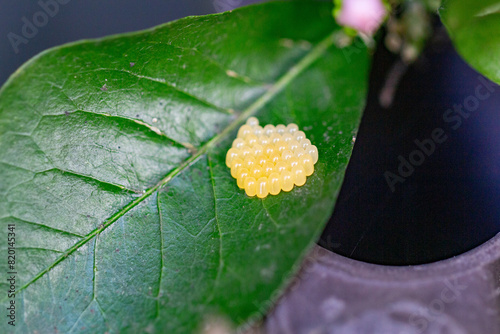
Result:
446,212
423,183
334,294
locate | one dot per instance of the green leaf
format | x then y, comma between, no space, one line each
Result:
474,28
112,169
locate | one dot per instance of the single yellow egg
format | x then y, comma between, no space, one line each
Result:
281,147
269,129
287,154
250,186
245,152
268,150
235,164
299,152
292,128
275,138
251,140
257,171
307,162
299,175
274,183
268,168
287,137
280,129
244,131
258,131
249,162
261,160
238,143
264,140
286,180
313,151
275,157
293,162
299,136
293,144
242,175
280,167
252,121
262,187
258,149
232,154
304,143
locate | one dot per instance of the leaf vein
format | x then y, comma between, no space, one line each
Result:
269,214
45,226
161,255
170,85
313,55
221,260
240,77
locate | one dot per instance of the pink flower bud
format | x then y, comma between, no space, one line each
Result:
362,15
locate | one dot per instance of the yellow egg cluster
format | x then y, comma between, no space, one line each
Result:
266,160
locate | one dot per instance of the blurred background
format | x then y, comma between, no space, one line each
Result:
447,206
79,19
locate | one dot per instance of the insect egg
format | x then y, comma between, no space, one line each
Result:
258,131
268,150
235,164
287,137
238,143
313,151
275,138
280,129
275,157
286,155
307,161
232,154
252,121
258,149
242,174
268,168
264,140
292,127
251,140
299,175
286,180
262,187
299,135
262,160
250,186
281,166
274,183
293,144
304,143
244,131
249,162
299,152
293,162
256,171
266,160
269,130
245,152
281,147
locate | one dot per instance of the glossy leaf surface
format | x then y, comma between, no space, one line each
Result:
112,169
474,28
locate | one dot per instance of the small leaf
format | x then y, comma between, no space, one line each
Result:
474,29
112,169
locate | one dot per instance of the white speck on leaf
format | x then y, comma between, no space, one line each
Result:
232,74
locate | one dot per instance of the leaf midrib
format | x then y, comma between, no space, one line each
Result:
313,55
